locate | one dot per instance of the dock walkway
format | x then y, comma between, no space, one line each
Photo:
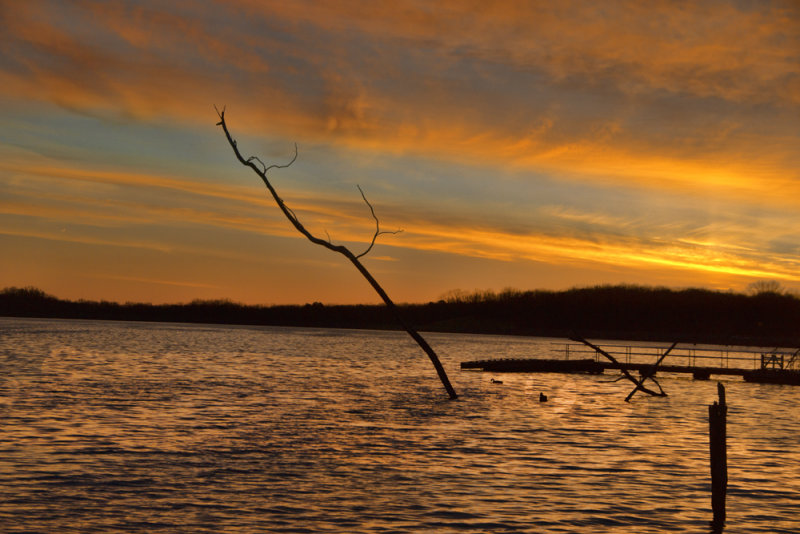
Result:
777,365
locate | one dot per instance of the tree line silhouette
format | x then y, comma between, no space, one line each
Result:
767,318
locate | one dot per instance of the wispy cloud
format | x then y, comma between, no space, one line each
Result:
158,282
508,131
583,236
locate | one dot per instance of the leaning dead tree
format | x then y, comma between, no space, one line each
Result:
261,170
646,374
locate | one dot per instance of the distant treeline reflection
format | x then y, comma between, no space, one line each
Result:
607,312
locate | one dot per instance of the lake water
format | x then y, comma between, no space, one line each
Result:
128,427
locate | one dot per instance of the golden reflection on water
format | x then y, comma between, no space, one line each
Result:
166,428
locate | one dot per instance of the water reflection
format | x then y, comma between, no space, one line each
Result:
165,428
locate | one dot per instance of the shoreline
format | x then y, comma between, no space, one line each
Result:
607,312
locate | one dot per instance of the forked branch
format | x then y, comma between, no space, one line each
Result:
377,225
261,170
639,384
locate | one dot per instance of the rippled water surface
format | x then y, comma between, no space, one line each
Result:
126,427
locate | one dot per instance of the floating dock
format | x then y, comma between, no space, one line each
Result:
773,366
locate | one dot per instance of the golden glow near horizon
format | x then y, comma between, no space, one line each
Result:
535,145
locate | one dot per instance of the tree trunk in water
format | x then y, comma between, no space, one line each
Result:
262,173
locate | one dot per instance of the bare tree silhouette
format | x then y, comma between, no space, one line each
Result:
765,287
261,169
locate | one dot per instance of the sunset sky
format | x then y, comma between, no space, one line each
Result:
533,145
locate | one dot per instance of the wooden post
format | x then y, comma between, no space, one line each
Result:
717,435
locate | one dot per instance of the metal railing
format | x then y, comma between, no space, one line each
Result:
692,355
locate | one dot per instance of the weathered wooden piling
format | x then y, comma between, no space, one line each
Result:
717,435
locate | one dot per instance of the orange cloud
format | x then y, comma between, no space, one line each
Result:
347,220
699,101
163,64
625,252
